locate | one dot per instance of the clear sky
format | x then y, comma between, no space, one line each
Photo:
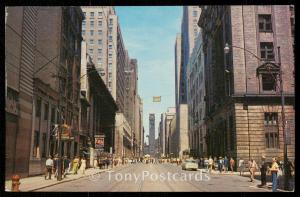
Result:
149,34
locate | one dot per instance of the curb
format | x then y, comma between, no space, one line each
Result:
56,183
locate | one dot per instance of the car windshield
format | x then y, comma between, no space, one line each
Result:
190,161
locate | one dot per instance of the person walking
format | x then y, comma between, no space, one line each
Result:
210,164
75,165
252,169
66,163
82,166
225,164
274,169
55,166
49,167
241,166
263,171
220,164
232,164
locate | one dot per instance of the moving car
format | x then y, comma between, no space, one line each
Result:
189,164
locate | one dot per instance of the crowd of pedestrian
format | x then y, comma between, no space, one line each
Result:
68,166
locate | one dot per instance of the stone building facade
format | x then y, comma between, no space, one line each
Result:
20,45
243,105
195,99
57,84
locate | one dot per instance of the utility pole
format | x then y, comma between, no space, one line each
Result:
286,183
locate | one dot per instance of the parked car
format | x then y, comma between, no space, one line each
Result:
189,164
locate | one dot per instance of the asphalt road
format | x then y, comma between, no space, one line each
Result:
158,177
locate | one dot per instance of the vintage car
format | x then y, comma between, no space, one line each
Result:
189,164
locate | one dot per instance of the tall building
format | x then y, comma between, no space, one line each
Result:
102,32
243,103
195,98
169,115
152,134
183,48
189,32
56,95
20,45
162,138
43,85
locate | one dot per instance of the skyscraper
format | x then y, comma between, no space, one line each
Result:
102,33
152,134
189,32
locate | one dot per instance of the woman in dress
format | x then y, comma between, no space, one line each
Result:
83,166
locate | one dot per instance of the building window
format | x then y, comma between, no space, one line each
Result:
44,141
84,13
269,82
110,47
195,13
100,32
110,38
83,24
265,22
36,144
99,14
38,107
100,41
91,41
271,130
99,51
100,23
110,76
110,21
110,30
52,115
266,50
92,24
91,52
293,26
92,14
83,32
109,84
91,32
99,60
46,111
110,66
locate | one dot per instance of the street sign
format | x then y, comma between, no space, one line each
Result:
99,142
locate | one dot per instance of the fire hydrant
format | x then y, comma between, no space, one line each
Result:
15,183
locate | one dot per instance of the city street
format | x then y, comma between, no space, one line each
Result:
152,180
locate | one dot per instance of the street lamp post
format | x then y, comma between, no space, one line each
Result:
226,50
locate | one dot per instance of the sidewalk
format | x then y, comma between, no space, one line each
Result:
38,182
257,179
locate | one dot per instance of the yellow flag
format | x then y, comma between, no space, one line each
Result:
156,98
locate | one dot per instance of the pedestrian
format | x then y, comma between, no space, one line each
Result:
252,169
225,164
95,163
263,171
210,164
49,167
55,165
75,165
274,169
241,166
66,163
83,166
289,174
232,164
220,164
206,163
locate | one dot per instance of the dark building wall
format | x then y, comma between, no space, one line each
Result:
20,42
